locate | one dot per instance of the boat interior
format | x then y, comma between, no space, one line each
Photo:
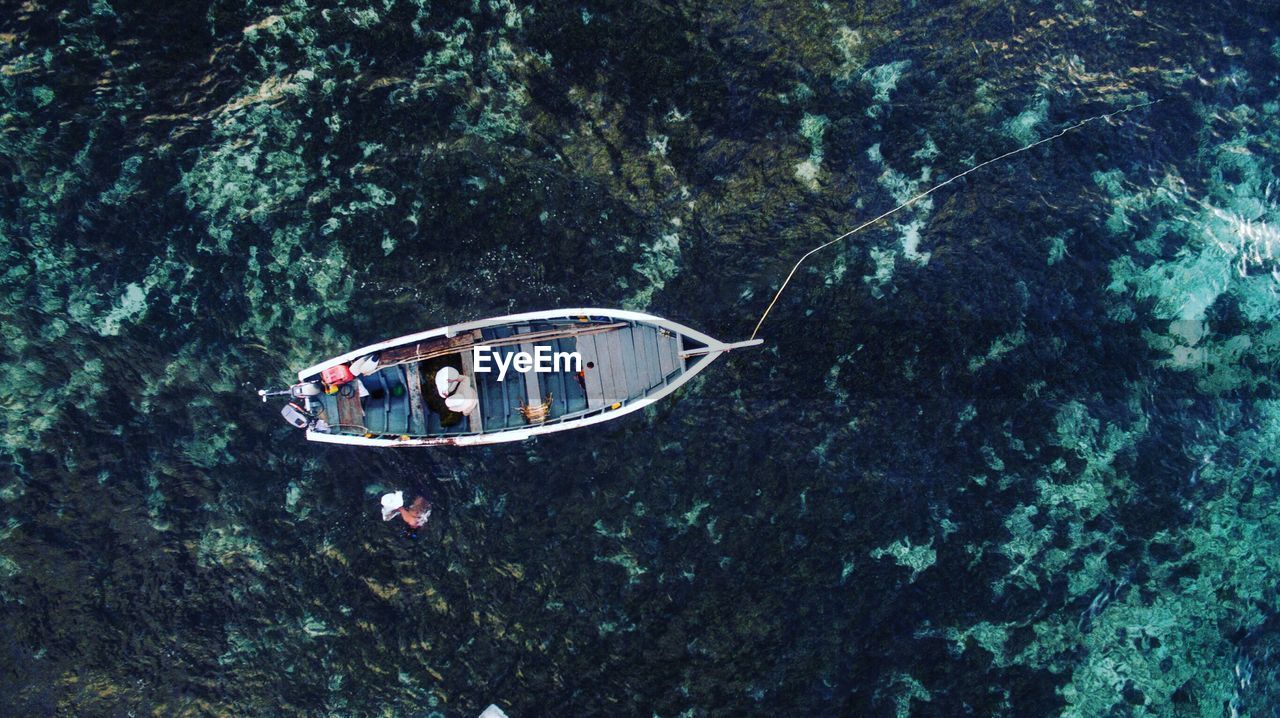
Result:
621,362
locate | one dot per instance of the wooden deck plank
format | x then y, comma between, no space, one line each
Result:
644,372
502,408
434,427
350,413
417,405
433,424
386,402
575,394
595,387
512,384
635,382
371,408
532,385
666,353
504,386
617,366
604,370
398,396
475,421
560,402
650,336
491,400
399,405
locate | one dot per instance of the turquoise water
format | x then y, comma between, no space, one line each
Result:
1013,453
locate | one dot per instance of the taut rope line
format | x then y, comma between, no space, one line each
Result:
930,191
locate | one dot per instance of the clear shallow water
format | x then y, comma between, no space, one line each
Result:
1013,455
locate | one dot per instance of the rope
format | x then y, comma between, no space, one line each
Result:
930,191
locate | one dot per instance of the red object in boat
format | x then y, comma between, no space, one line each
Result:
337,375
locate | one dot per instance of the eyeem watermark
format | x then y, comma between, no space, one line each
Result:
542,361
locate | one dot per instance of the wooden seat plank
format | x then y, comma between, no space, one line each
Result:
428,348
591,376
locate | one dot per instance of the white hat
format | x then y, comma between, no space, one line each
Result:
447,380
364,366
391,504
463,400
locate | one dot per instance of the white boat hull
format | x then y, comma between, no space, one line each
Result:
688,352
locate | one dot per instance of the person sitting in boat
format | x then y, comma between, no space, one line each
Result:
416,515
456,390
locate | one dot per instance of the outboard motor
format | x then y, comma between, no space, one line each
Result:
305,389
295,415
297,391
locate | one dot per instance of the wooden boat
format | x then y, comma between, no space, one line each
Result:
628,360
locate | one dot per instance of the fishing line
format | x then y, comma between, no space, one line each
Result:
930,191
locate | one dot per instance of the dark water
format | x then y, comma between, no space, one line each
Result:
1015,454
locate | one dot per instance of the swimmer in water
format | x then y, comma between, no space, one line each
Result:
416,515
